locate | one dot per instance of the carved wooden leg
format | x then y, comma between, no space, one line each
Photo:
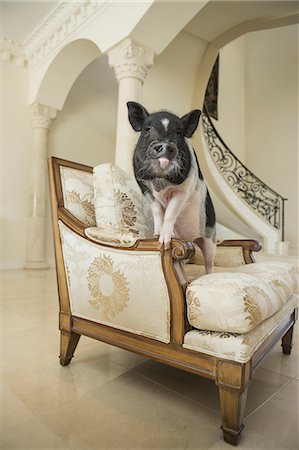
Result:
68,344
232,403
286,341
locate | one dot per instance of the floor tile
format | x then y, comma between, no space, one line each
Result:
277,361
113,399
278,419
251,440
30,435
135,414
265,383
12,410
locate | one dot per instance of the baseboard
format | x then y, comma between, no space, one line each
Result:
19,265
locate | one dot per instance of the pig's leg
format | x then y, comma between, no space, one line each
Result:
158,214
208,248
175,205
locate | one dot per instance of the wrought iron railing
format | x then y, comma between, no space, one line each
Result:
261,198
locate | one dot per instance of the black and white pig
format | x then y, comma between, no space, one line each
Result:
167,171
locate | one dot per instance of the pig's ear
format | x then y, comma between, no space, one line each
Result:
190,122
137,115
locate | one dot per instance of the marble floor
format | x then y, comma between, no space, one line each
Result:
111,399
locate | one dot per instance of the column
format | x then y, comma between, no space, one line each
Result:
42,117
130,62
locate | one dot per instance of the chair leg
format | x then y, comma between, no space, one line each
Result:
286,341
232,403
68,344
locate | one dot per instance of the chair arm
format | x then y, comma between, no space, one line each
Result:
147,282
180,249
248,246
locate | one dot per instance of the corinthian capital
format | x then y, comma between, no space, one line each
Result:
42,115
131,60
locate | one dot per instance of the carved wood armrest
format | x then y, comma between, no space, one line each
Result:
248,246
180,249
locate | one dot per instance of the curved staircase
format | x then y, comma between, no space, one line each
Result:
241,192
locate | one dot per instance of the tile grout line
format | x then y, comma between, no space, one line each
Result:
180,395
270,398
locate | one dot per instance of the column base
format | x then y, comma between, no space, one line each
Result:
36,265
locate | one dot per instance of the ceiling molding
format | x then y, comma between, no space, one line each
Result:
58,25
62,21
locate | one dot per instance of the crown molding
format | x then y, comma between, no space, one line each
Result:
56,28
62,20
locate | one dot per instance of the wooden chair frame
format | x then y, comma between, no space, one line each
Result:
232,378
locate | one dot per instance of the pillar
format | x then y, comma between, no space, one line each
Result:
131,63
42,117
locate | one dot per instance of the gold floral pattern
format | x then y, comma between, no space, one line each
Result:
108,287
120,203
277,283
84,208
128,211
112,236
254,311
193,306
78,194
238,347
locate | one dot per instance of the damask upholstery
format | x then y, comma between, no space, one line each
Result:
78,194
237,301
116,288
111,235
224,257
234,346
119,202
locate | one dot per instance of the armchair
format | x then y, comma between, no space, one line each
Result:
130,293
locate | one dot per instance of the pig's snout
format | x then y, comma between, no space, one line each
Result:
164,150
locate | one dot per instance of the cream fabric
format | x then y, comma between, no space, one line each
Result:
125,290
193,271
238,301
233,346
224,257
78,195
111,235
119,202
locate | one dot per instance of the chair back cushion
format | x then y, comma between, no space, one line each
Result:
78,195
119,203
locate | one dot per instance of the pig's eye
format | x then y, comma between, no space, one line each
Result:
147,129
179,133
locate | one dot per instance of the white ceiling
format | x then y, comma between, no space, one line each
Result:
18,19
218,17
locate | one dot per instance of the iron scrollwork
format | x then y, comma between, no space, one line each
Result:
261,198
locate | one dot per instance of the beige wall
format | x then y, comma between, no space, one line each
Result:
272,115
15,137
258,111
231,100
84,131
170,82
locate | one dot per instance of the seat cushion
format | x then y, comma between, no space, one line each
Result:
119,202
233,346
238,300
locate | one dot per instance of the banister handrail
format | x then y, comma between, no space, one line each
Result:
268,203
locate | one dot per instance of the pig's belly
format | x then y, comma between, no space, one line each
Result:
190,224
